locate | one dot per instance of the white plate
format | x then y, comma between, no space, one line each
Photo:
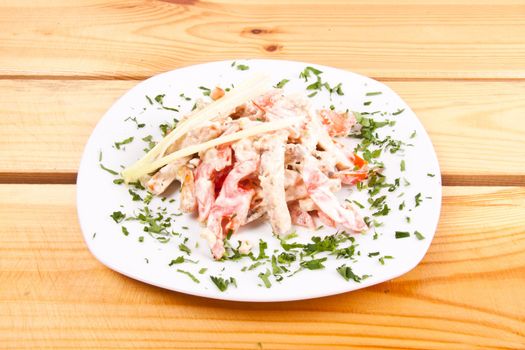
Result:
98,197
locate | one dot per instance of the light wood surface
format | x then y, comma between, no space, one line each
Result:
467,292
384,39
459,64
459,116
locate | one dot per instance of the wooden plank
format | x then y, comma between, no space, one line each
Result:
477,129
385,39
466,293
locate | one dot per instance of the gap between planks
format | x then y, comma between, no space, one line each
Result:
70,178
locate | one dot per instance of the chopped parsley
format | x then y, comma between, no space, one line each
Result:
418,199
305,74
419,235
314,264
205,90
179,260
402,165
160,100
255,265
123,142
399,111
312,94
134,119
185,97
375,93
286,258
112,172
327,244
347,273
276,269
118,216
134,196
203,270
281,84
383,212
402,234
222,283
125,231
264,278
193,278
184,248
358,204
262,250
151,143
382,259
242,67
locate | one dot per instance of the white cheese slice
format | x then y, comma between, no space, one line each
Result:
247,90
184,152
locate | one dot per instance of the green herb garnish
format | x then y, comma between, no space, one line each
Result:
205,90
418,199
419,235
399,111
113,172
281,84
222,283
347,273
193,278
118,216
314,264
184,248
286,258
262,248
134,196
382,259
264,278
178,260
402,234
123,142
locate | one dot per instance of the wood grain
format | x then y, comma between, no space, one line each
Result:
477,129
384,39
467,292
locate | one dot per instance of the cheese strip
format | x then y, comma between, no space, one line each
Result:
259,129
245,91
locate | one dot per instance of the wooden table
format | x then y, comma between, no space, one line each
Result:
459,64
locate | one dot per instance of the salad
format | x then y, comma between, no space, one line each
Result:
261,180
257,154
